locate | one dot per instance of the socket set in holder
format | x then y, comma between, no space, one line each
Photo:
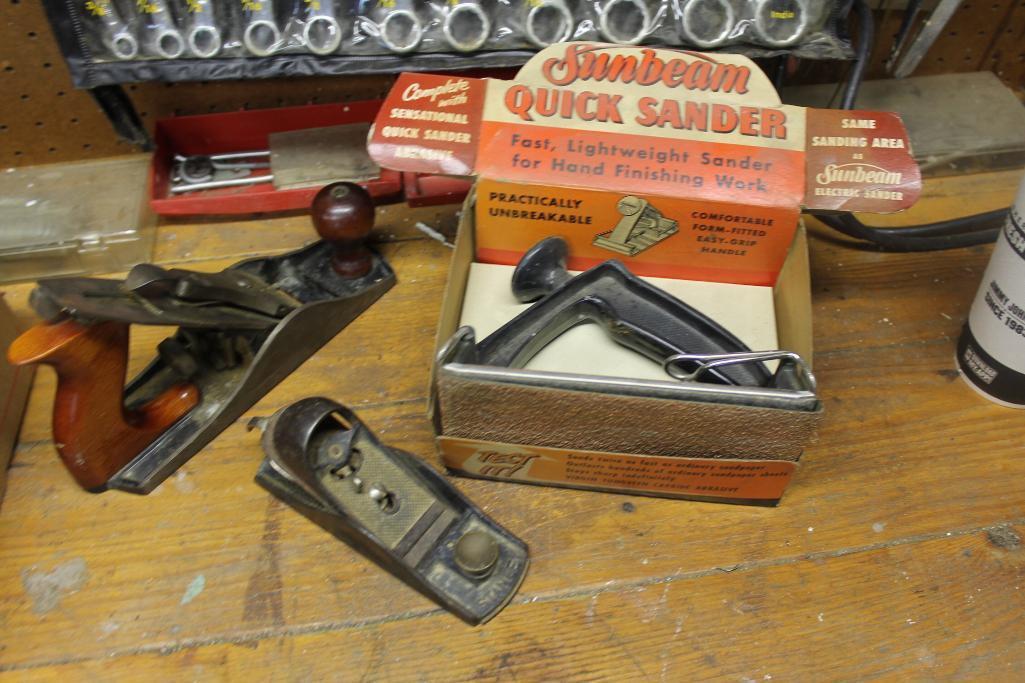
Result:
128,30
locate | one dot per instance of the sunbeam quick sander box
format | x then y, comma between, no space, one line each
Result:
688,169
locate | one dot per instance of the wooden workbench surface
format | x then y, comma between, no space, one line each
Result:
896,552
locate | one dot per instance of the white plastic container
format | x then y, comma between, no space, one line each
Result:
991,352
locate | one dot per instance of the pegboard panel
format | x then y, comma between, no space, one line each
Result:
43,119
982,35
1006,56
160,100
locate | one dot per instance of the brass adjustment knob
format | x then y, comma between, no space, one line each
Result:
476,553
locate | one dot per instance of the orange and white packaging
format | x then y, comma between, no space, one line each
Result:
682,165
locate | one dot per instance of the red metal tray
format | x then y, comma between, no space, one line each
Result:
249,130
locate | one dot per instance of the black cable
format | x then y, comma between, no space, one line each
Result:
780,74
966,231
863,52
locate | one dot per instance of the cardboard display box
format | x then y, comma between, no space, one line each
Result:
679,164
635,440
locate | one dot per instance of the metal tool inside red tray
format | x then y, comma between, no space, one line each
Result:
275,160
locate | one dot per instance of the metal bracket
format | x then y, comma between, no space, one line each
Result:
903,65
707,362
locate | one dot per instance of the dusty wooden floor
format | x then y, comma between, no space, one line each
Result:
896,553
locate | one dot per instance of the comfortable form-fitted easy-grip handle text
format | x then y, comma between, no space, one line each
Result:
94,433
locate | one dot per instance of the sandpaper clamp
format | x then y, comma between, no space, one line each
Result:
634,314
702,359
392,507
677,364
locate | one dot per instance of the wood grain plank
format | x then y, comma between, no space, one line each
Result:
943,608
862,300
889,465
907,454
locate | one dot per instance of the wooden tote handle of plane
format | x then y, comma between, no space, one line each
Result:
94,433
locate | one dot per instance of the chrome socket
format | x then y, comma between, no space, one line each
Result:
162,37
625,22
548,22
780,23
203,36
400,29
322,32
707,23
261,35
466,26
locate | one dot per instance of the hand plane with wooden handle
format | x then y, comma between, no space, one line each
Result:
390,506
239,333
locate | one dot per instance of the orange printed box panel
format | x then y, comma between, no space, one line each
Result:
859,161
630,162
658,235
658,131
757,481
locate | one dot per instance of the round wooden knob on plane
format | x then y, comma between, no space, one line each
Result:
343,214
